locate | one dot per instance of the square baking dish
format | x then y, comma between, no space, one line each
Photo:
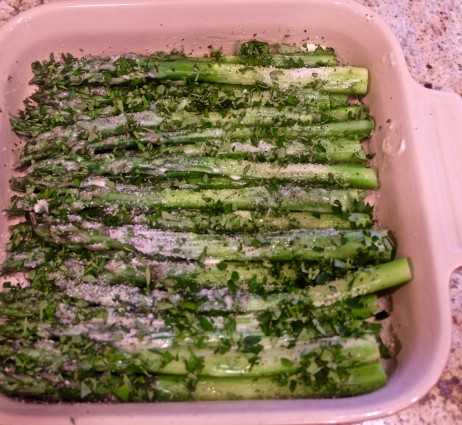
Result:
416,144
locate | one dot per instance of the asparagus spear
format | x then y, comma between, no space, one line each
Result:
58,108
354,381
335,79
109,124
38,184
184,131
318,137
240,221
318,151
243,221
250,53
81,141
55,314
119,267
107,164
279,246
241,300
175,360
281,198
111,387
175,95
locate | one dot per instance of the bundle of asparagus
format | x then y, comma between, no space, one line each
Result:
195,229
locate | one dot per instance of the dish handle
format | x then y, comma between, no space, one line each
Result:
441,125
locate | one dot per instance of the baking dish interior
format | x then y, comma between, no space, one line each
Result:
421,316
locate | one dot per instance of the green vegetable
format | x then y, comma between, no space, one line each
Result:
195,228
107,387
247,71
281,198
111,132
336,174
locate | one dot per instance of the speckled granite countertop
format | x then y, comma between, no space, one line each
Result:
430,33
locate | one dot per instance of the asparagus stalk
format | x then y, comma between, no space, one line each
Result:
241,221
342,149
111,387
175,95
222,301
84,104
127,324
375,279
340,123
366,281
250,53
159,116
317,151
335,79
39,184
247,221
118,267
312,245
94,71
109,124
281,198
58,315
51,387
107,164
354,381
176,361
50,143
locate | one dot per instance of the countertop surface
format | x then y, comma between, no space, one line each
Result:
430,34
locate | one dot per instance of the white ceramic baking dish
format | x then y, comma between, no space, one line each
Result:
417,146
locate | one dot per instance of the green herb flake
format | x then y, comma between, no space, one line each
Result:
148,277
123,392
84,390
